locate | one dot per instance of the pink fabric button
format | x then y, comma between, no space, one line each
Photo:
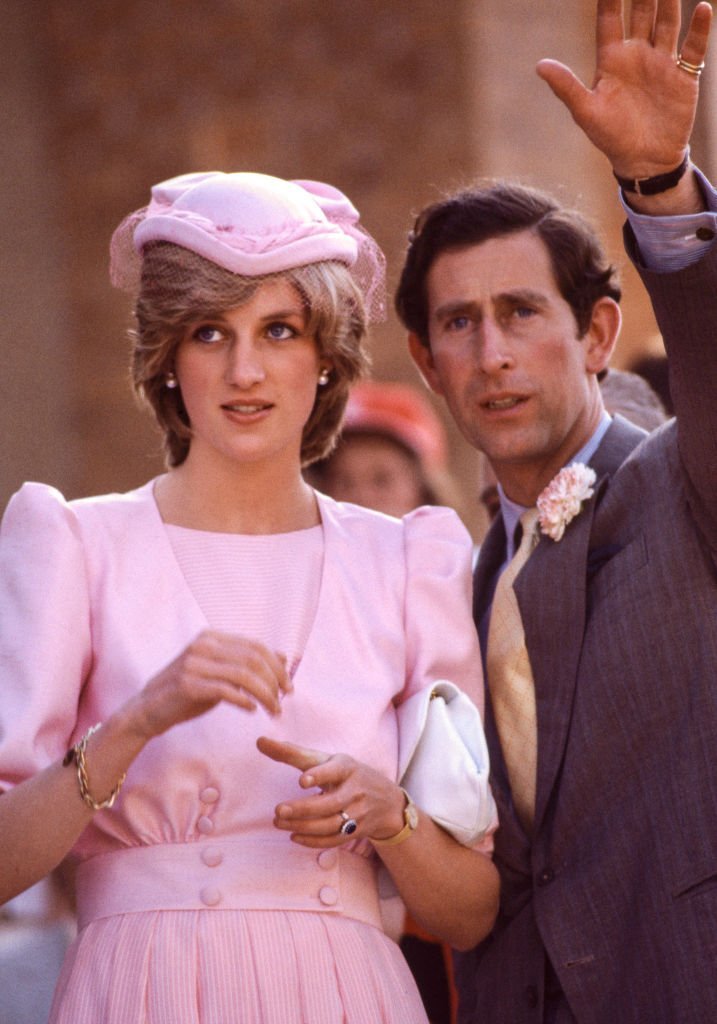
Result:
210,896
209,795
205,825
327,859
328,895
212,856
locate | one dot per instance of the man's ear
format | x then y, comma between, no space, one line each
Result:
423,358
602,334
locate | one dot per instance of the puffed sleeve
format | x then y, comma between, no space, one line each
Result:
45,648
441,638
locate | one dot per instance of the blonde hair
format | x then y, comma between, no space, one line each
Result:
179,287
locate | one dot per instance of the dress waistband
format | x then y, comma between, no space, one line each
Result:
228,875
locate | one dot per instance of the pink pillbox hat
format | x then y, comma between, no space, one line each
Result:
251,224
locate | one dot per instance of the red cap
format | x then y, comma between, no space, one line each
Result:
400,412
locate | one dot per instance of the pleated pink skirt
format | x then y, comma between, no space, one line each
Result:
234,967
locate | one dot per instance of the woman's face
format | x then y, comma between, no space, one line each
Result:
374,471
248,379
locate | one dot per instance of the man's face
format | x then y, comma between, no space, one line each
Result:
505,354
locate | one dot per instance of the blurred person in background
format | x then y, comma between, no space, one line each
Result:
392,454
36,928
630,395
655,370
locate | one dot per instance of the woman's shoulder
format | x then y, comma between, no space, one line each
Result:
37,507
425,518
437,521
427,529
437,543
42,506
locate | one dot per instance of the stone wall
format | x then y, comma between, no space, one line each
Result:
394,102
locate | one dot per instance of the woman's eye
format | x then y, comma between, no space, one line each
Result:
280,331
207,334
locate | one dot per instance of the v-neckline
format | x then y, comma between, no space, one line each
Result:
321,501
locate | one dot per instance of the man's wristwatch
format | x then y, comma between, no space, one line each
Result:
659,183
410,824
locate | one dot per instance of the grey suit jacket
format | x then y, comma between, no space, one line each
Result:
618,886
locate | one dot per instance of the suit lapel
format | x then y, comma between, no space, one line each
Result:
552,595
620,439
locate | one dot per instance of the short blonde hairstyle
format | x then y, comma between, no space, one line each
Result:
179,287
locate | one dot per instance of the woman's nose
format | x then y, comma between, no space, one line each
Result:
244,366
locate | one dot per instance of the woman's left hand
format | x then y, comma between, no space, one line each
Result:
360,792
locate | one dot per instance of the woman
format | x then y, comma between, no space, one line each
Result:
231,629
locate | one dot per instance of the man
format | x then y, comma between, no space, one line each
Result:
609,870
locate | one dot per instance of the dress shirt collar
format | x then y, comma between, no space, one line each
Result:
512,512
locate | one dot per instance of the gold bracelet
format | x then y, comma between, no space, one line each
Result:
77,754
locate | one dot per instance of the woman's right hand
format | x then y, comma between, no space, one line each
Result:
214,667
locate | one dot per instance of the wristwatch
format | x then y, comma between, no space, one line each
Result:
410,824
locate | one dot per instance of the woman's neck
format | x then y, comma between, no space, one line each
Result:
251,499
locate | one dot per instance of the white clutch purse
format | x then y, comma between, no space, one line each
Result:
443,760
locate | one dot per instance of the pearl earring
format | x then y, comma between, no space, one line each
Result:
170,381
323,378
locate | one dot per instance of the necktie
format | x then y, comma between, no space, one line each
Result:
510,678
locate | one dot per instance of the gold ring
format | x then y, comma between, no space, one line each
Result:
691,69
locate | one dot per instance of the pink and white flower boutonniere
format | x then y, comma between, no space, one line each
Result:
563,498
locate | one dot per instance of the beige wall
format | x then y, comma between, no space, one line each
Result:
394,102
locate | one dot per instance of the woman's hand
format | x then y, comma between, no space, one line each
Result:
214,667
365,795
451,890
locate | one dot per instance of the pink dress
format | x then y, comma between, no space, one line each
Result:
192,907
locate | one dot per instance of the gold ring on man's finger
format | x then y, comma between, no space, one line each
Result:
691,69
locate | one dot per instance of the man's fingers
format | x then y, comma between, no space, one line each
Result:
694,46
667,26
642,19
609,26
566,85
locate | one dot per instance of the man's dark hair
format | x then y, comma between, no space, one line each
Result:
582,271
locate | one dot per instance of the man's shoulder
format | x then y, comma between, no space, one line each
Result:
621,438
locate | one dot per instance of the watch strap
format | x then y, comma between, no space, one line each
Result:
659,183
410,823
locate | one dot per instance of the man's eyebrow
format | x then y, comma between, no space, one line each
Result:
472,308
455,307
523,295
